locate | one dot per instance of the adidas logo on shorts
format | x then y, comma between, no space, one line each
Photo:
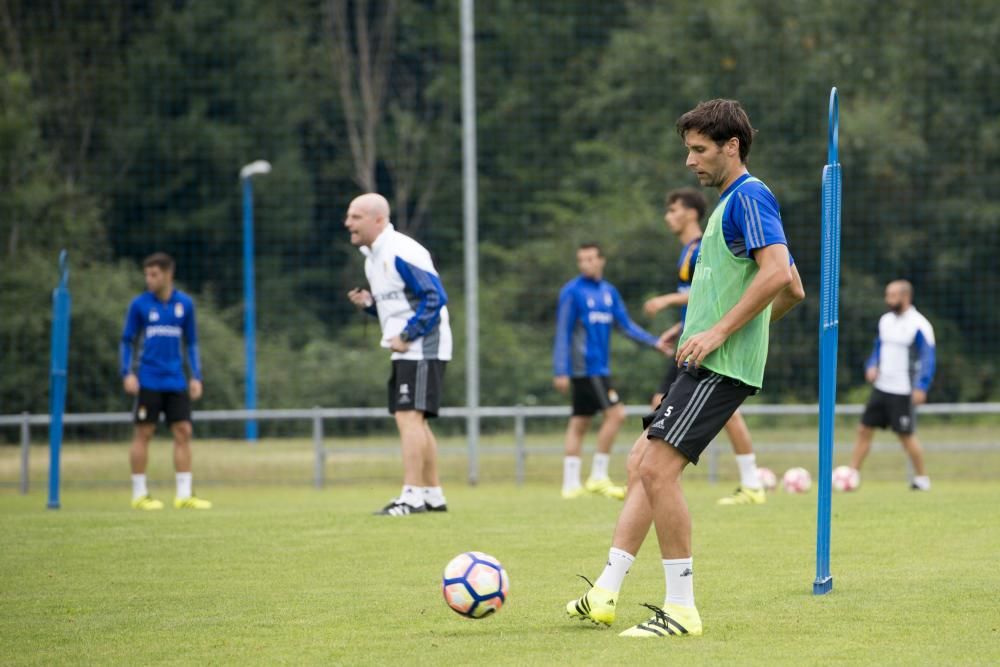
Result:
659,423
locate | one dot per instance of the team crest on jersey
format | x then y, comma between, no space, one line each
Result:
154,316
178,310
607,299
612,395
590,303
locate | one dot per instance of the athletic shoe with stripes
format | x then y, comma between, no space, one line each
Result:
147,503
744,496
192,503
673,621
398,508
597,606
605,487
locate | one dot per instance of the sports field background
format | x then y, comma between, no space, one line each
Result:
294,576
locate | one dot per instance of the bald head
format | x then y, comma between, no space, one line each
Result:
367,217
899,295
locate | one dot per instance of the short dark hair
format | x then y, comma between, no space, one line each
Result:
159,259
720,120
587,245
690,198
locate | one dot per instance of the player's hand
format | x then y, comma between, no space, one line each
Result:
131,384
871,374
361,298
397,344
665,346
194,389
919,397
561,383
697,347
656,304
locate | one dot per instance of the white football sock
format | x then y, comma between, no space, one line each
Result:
183,485
749,479
412,495
922,482
139,487
571,473
434,496
614,573
599,469
680,581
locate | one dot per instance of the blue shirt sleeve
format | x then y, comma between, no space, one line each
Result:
191,340
565,321
752,220
625,323
133,323
928,361
428,288
873,359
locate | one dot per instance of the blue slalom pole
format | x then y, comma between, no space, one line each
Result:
828,333
57,375
249,294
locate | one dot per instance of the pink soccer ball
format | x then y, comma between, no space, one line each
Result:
846,478
796,480
475,584
767,478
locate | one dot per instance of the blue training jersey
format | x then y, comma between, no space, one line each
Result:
162,327
685,270
587,311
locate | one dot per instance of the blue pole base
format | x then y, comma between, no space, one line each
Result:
823,586
52,505
251,432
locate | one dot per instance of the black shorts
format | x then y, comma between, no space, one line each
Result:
416,385
669,377
893,411
592,395
175,406
698,405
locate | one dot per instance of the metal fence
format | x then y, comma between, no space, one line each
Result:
519,414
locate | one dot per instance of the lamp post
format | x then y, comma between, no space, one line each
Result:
249,298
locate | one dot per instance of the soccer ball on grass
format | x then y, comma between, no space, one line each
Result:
796,480
767,478
475,584
846,478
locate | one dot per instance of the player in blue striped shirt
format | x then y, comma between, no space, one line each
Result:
162,317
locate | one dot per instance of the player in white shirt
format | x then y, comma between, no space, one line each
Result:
900,369
410,302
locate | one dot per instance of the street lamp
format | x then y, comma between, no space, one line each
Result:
249,299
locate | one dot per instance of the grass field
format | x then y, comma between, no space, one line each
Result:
290,575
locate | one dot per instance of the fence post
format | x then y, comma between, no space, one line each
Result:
519,441
319,472
25,451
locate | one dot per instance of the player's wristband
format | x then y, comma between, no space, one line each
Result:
403,336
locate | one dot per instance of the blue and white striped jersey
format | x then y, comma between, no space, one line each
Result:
587,310
162,326
904,353
408,296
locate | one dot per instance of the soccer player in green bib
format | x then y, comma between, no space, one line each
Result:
745,280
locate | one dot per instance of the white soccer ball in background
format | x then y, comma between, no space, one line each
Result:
846,478
475,584
796,480
767,478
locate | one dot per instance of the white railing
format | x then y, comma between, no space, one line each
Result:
519,413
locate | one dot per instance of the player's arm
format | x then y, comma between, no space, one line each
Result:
627,326
561,354
428,289
871,365
658,303
924,342
773,276
133,323
193,353
789,297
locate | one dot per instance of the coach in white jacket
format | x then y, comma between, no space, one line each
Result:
410,302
